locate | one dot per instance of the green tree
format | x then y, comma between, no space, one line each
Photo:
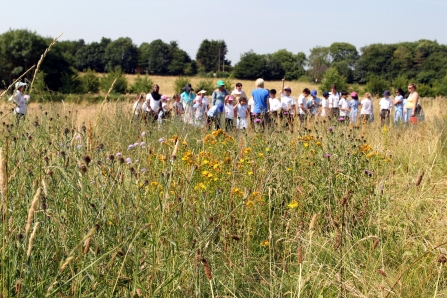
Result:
293,64
158,57
179,60
92,56
121,53
376,85
69,48
250,66
71,84
141,85
342,51
402,58
120,85
318,62
90,82
333,77
400,82
211,55
344,70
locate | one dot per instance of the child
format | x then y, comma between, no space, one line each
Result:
275,103
367,109
313,103
138,108
385,108
302,103
229,112
344,106
199,112
354,108
212,117
325,105
165,110
178,107
242,111
287,101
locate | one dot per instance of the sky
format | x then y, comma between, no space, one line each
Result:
262,26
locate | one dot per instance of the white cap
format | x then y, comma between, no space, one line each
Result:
20,84
201,91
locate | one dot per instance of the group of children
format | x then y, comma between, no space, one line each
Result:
232,110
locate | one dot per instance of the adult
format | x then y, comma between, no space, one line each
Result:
238,92
334,99
19,100
187,97
152,106
412,102
398,102
261,102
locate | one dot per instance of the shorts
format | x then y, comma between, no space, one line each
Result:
241,123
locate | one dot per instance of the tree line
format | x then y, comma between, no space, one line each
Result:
375,65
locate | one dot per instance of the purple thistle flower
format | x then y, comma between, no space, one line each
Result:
128,160
143,170
330,128
137,160
161,140
143,134
328,155
142,144
136,144
257,120
118,154
341,119
286,113
79,146
130,147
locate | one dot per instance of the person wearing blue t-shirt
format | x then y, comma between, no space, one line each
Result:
313,103
260,98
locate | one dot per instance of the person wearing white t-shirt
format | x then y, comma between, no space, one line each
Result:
238,93
20,101
334,101
229,112
242,112
164,110
325,111
343,105
302,104
199,112
137,109
366,108
385,108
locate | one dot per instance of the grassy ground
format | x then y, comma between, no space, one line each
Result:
326,211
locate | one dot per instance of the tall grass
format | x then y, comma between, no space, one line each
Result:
188,212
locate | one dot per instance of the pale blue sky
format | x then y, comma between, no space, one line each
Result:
264,26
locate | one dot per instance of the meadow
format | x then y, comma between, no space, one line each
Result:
94,205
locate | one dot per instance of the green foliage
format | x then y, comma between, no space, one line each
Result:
92,56
292,64
376,85
440,88
71,84
228,84
211,55
426,90
180,83
333,77
344,52
318,62
400,82
208,85
141,85
253,66
121,53
344,70
191,68
120,85
90,82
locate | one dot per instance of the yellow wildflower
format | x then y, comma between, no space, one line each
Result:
154,183
267,149
306,145
250,173
293,204
260,155
247,150
265,243
249,203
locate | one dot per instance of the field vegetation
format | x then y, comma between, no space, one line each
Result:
95,205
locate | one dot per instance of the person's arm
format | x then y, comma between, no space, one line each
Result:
282,88
416,101
213,97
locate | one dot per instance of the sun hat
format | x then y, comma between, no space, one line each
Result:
230,98
386,93
354,94
220,83
325,94
164,97
313,92
201,91
188,88
20,84
287,88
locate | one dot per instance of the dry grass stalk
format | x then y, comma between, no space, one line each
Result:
174,152
41,60
312,222
103,104
418,182
87,245
300,255
44,187
3,177
31,239
197,257
13,172
31,211
207,269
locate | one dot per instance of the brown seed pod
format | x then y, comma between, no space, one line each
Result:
418,182
235,237
381,272
442,259
376,243
300,255
207,269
